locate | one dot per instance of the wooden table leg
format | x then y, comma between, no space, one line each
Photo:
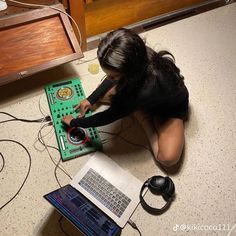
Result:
76,9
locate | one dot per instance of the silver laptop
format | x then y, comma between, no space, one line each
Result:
109,187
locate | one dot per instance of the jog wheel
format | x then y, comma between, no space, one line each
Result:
77,136
64,93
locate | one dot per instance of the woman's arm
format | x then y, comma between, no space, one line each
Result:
100,91
113,113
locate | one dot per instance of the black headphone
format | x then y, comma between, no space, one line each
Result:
158,185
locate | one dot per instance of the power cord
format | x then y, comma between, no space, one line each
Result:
3,162
40,139
26,177
134,226
45,119
124,139
118,135
57,164
41,109
30,161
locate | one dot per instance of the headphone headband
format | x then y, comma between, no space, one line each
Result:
158,185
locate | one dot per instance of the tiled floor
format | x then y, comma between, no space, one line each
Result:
205,50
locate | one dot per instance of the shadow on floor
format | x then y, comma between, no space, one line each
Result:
31,85
57,225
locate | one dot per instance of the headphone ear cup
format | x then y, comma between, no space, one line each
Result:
157,184
169,190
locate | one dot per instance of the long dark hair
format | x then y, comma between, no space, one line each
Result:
162,68
124,51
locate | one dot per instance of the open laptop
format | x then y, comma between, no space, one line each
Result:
82,213
106,187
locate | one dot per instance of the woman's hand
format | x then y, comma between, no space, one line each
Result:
84,106
67,119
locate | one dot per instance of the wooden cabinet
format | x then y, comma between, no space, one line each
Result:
35,40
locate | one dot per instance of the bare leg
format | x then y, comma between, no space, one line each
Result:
170,140
166,138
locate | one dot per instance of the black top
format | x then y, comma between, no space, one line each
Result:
151,98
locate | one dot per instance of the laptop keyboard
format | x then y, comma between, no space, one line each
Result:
111,197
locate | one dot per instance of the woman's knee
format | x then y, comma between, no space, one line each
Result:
167,159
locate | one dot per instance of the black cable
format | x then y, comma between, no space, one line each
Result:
52,147
22,120
8,114
3,162
46,119
134,226
40,120
41,109
55,172
117,134
57,165
26,177
127,141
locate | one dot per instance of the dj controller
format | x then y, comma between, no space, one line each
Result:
72,141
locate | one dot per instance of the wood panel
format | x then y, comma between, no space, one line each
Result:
25,47
74,7
105,15
35,41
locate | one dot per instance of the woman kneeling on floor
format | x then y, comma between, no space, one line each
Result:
145,83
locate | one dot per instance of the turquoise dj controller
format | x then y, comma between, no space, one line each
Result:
73,142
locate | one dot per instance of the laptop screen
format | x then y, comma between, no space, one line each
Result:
82,213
